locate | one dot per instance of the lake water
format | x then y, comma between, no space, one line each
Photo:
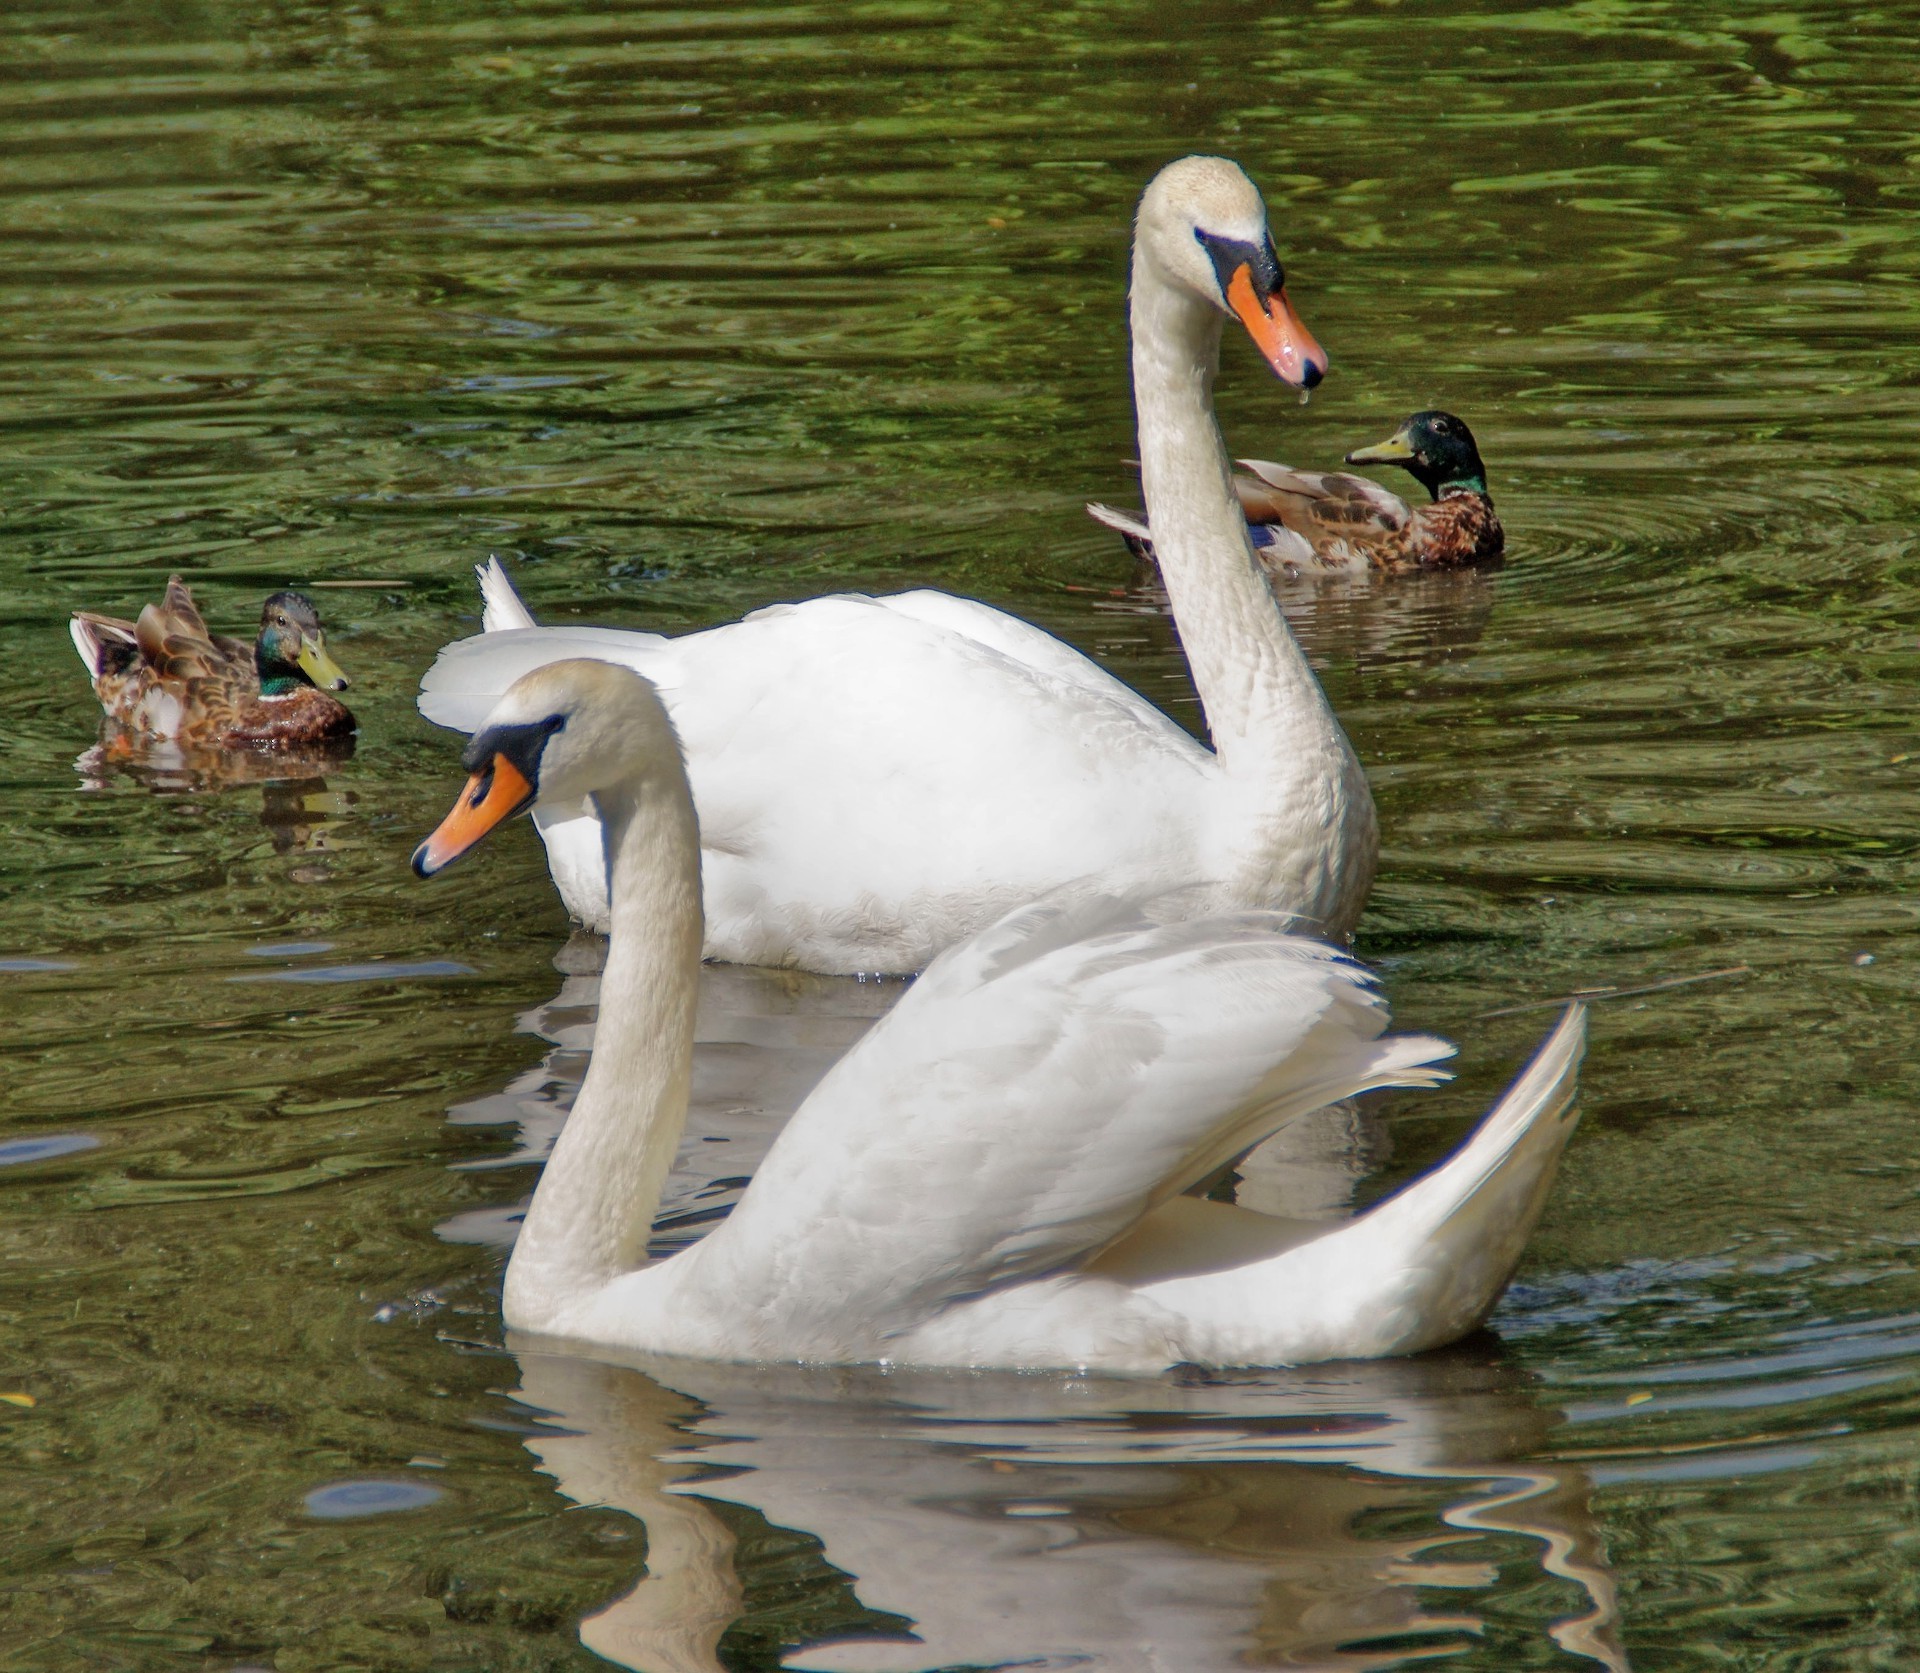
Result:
684,311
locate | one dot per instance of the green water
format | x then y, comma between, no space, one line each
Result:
689,310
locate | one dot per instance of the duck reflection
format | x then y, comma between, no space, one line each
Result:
1291,1519
1366,621
298,809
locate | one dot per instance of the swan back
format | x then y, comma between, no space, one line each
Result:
1040,1089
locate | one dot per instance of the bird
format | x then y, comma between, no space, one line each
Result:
997,1174
165,678
1317,522
878,777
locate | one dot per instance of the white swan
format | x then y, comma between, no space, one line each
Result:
993,1174
879,777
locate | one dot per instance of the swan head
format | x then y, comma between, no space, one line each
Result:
562,733
1202,228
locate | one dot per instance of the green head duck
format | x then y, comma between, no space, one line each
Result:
292,648
1434,447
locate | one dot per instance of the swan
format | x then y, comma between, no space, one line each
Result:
993,1175
879,777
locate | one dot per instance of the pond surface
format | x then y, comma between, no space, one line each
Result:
684,311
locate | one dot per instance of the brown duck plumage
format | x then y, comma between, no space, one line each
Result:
1349,522
1326,522
165,677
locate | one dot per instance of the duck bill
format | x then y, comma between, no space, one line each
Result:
319,667
1277,331
494,794
1395,450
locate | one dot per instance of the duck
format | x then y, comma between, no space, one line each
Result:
1322,522
999,1173
167,679
879,777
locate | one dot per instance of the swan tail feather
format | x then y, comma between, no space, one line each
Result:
1418,1270
501,605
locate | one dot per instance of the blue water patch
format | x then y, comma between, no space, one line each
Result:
344,1499
291,949
364,972
24,966
1710,1466
15,1151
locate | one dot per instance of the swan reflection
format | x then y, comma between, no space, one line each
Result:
1291,1519
764,1038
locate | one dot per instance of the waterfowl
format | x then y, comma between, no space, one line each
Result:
879,777
165,678
1306,522
994,1175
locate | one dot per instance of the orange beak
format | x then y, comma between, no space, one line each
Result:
495,793
1277,331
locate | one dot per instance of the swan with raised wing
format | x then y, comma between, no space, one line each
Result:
879,777
994,1174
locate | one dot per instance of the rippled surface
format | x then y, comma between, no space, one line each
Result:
690,310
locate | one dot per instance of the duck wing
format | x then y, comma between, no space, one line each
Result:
1344,518
173,637
200,689
1041,1088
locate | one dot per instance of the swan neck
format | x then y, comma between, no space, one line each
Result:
1254,682
595,1204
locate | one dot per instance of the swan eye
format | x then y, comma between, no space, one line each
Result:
518,745
1229,255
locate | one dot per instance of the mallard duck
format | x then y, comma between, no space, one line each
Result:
165,677
1303,522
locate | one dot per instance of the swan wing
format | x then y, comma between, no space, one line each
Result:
469,676
1417,1270
1040,1089
1019,641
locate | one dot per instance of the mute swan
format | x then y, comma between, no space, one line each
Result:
1315,521
992,1176
879,777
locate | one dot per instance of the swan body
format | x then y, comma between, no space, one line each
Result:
877,778
994,1174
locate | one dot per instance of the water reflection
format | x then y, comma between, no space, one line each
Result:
1038,1520
298,809
1293,1519
696,310
763,1040
1420,620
